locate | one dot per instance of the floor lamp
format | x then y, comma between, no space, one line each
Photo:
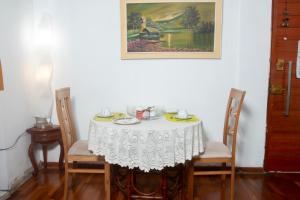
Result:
44,40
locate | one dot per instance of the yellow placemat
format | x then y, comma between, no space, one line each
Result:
109,119
171,118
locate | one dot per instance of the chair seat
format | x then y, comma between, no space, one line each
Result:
216,150
80,148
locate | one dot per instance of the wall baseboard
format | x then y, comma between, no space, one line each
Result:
240,170
20,180
250,170
52,165
17,182
4,195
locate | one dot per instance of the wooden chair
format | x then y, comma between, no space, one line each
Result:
76,151
220,152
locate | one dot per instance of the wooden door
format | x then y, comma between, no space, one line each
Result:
283,119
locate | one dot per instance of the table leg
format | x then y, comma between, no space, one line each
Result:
61,155
164,184
181,182
129,178
32,159
45,156
190,180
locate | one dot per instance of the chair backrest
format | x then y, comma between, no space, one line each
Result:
65,118
232,116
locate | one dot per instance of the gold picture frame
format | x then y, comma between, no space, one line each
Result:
1,78
171,29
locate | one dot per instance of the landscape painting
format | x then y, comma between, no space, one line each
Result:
171,29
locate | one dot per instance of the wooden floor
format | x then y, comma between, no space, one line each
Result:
49,185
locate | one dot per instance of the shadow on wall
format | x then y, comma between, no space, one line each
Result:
74,111
243,129
205,133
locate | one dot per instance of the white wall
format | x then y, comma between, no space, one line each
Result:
87,59
15,111
253,75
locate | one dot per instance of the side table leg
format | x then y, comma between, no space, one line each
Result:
45,156
61,155
32,159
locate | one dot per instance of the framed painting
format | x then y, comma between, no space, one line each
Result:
171,29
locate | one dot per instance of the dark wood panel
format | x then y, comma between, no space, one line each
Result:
286,55
290,33
283,1
278,119
285,145
282,164
292,7
293,23
275,150
278,115
282,76
283,132
280,99
287,45
278,127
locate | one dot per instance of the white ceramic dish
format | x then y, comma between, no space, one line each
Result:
126,121
104,116
152,118
187,117
171,111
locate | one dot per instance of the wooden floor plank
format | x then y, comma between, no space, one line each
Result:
49,186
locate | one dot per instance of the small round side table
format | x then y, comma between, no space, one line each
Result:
44,137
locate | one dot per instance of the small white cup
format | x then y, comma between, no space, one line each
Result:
131,110
182,114
105,112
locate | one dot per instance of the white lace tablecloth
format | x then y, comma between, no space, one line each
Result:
152,144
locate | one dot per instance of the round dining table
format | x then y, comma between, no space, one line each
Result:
149,145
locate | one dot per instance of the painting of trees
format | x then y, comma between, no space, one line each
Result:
170,27
134,21
191,17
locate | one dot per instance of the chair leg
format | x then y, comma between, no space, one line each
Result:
107,180
190,181
73,180
66,184
223,176
232,182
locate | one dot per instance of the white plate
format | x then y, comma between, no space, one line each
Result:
126,121
102,116
152,118
188,117
171,111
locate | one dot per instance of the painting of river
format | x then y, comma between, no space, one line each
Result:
166,26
